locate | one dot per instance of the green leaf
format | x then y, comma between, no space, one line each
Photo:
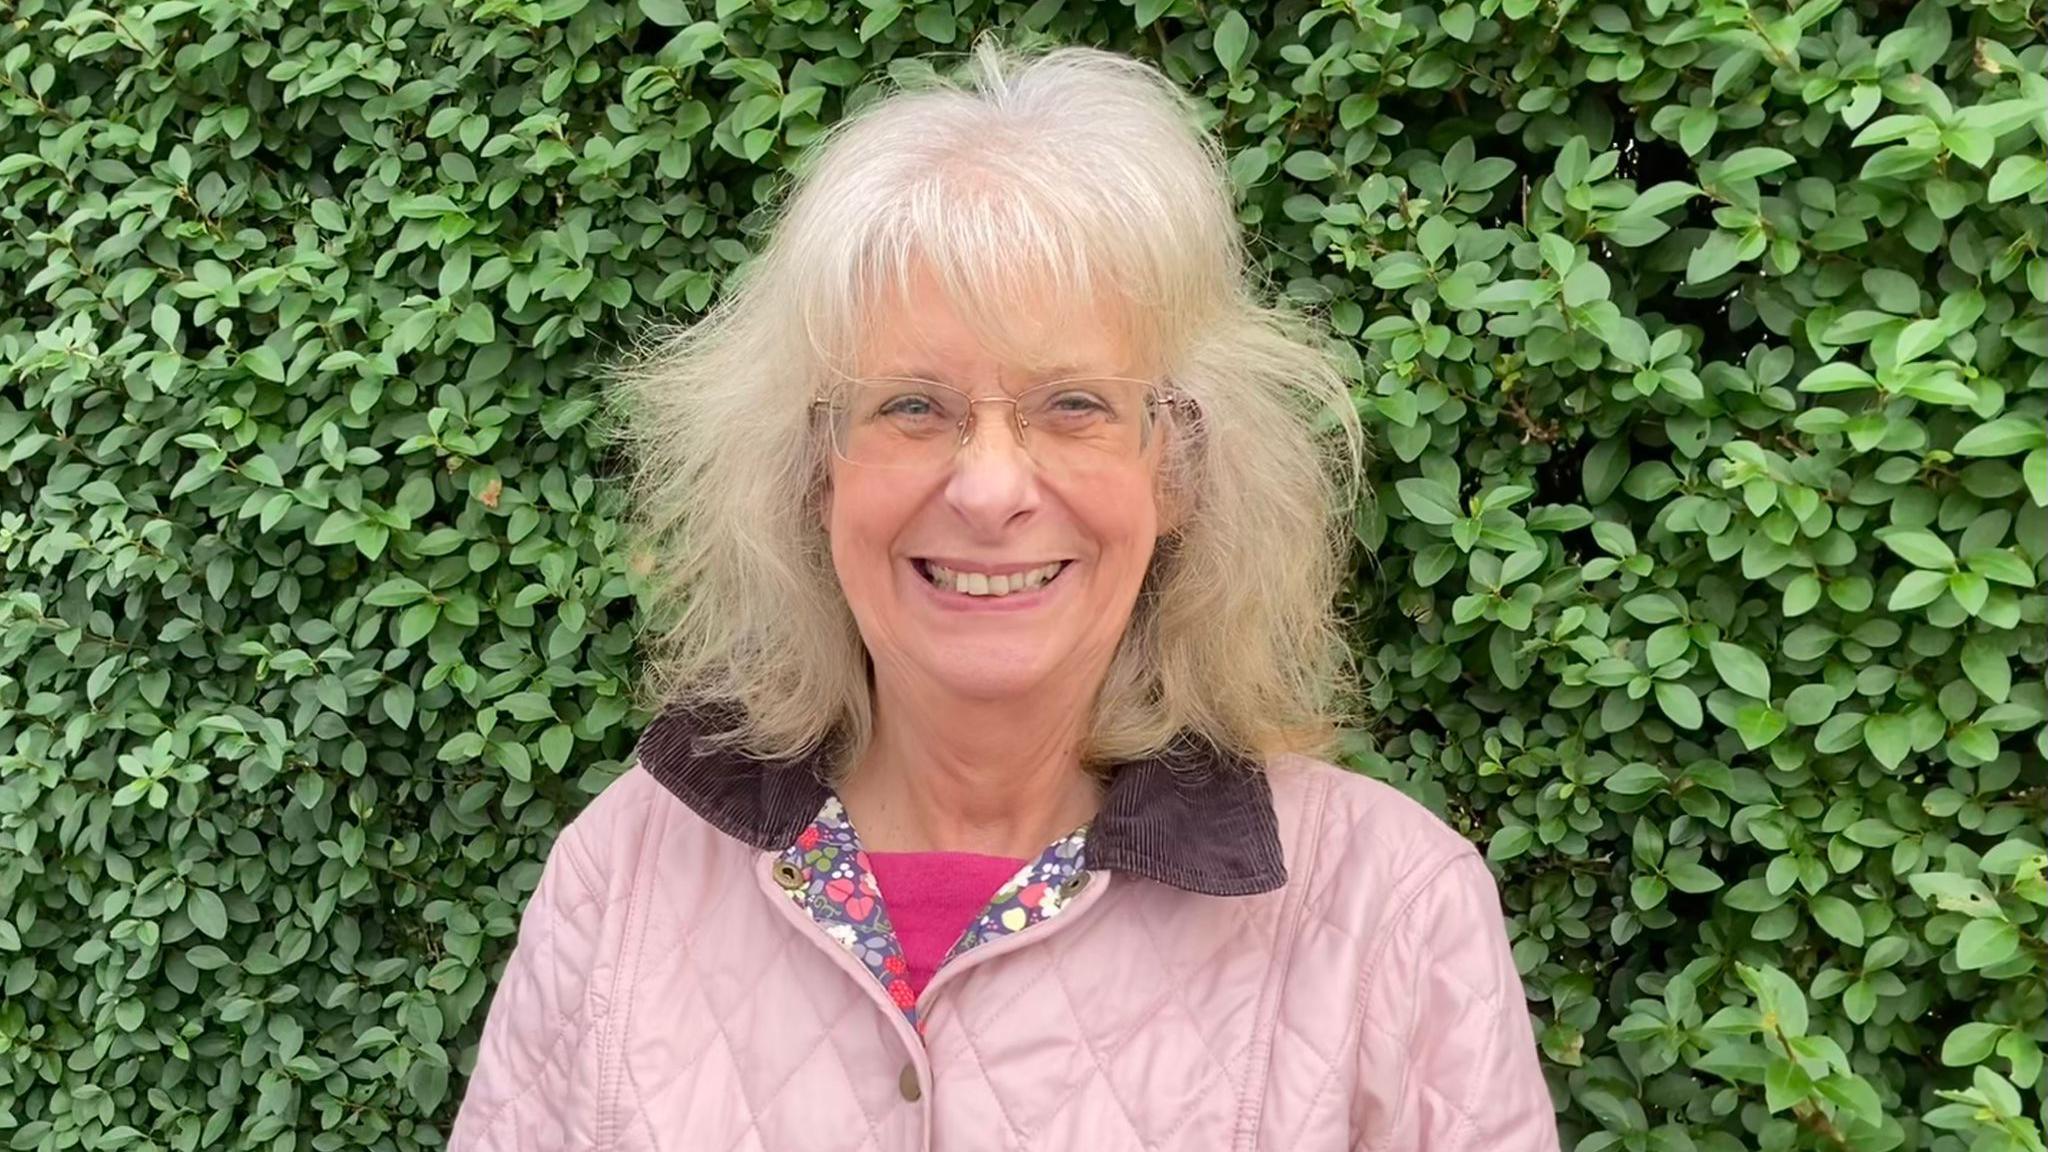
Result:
1916,589
1510,841
1919,548
1838,918
1458,21
1720,252
1637,779
1892,290
1584,284
881,16
264,362
1758,724
1752,162
263,470
1696,130
1653,608
1918,338
1889,738
415,622
2018,175
338,528
398,704
1428,501
1986,943
1309,166
1233,38
1873,834
2005,436
1692,878
1660,198
668,13
1970,1044
1680,704
528,706
206,912
476,324
1840,376
1741,669
1985,664
427,1081
1809,704
2002,565
556,744
1648,892
1778,998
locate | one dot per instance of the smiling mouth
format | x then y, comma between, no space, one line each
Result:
991,586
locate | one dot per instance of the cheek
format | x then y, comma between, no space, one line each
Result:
862,520
1124,520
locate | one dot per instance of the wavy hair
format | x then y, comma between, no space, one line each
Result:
1075,168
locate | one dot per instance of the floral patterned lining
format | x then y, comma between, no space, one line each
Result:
827,874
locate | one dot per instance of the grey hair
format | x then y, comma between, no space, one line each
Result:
1077,169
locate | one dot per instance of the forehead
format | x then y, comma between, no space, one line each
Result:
1021,331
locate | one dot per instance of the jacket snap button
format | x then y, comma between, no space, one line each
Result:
788,874
907,1084
1072,886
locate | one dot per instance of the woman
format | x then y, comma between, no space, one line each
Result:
979,814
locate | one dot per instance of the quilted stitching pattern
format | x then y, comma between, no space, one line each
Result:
1147,1018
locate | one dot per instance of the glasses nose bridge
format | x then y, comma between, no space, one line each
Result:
1016,421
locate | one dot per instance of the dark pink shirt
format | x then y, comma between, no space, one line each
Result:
932,897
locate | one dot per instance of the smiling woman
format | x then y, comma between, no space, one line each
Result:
996,543
1061,220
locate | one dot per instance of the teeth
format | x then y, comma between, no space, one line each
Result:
983,584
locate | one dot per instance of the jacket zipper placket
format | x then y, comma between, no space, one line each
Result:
815,933
955,969
951,972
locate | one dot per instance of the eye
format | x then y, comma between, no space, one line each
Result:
908,408
1075,400
1071,411
911,405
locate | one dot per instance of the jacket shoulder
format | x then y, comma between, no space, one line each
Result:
630,818
1352,831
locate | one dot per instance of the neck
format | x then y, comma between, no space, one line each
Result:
991,777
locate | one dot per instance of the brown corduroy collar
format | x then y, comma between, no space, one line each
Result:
1192,817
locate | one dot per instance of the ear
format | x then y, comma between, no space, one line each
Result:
820,501
1171,501
1173,473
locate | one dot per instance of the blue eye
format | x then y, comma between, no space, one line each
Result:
1071,412
908,409
908,406
1078,402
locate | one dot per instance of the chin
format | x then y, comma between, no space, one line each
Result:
995,673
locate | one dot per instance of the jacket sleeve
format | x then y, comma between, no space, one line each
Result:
1449,1061
523,1091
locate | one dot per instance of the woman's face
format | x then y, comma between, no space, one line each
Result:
990,512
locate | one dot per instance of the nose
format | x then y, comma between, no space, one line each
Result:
994,479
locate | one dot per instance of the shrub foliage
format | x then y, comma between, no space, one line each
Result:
1703,342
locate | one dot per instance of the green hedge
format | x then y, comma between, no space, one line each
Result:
1703,342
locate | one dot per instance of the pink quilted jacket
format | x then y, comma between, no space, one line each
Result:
688,976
